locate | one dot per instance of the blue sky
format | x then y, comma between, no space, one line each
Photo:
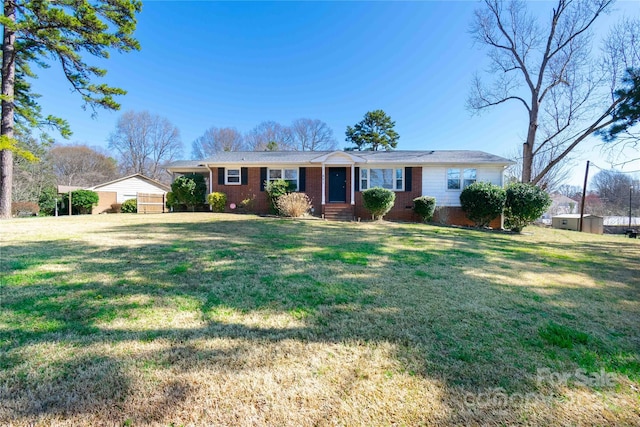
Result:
236,64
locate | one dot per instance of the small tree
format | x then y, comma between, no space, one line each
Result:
378,201
275,189
483,202
524,204
217,201
189,190
82,201
424,206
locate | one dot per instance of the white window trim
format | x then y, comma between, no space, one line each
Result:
394,169
282,174
460,180
226,176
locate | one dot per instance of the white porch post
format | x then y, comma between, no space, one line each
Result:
323,186
210,180
353,184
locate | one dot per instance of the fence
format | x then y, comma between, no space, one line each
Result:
151,203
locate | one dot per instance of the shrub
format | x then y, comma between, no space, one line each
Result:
378,201
217,201
293,204
24,209
524,204
47,201
275,189
82,201
129,206
189,190
424,206
116,208
483,202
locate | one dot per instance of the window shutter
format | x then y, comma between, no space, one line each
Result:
220,176
408,172
244,176
263,178
357,178
302,179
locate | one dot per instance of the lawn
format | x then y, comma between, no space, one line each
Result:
214,319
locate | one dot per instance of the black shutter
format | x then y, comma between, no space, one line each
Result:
357,178
244,176
408,172
302,179
263,178
220,176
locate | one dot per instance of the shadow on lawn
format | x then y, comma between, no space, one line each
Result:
412,287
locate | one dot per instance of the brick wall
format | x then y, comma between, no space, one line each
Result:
403,208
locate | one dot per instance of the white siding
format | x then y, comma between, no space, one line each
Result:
434,181
129,188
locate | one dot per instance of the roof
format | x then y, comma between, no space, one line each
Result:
575,216
310,157
136,175
621,221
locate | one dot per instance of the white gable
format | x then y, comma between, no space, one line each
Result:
128,188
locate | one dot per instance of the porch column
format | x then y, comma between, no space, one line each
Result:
210,179
353,184
323,186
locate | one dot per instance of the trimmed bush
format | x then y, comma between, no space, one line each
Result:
217,201
189,190
524,204
82,201
424,206
483,202
129,206
275,189
293,204
378,201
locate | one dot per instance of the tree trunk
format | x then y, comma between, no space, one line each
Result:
527,147
6,130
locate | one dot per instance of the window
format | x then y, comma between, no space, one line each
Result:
391,179
290,175
232,176
455,176
469,177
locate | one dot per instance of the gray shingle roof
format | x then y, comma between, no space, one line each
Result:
302,157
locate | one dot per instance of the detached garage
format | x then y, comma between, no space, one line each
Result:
130,187
591,223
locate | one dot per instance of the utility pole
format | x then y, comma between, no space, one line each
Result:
584,194
630,191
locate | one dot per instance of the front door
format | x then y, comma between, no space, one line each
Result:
337,185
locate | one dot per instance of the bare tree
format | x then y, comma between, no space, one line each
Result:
570,191
270,136
613,188
215,140
31,177
551,180
145,142
312,135
81,165
548,69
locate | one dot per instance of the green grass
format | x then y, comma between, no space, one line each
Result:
213,319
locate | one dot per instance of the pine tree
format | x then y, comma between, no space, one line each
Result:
39,32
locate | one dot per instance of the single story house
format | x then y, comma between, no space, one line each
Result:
334,180
128,187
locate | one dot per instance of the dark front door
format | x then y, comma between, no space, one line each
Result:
337,185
